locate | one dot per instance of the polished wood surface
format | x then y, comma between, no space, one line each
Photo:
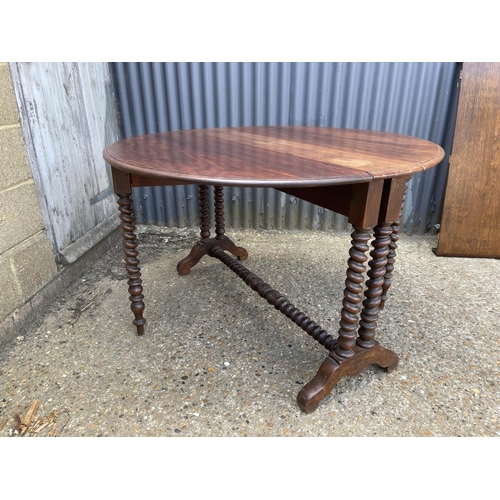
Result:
471,212
273,156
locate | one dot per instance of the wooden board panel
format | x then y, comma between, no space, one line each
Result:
67,116
470,225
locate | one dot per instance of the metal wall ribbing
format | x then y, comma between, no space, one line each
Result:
410,98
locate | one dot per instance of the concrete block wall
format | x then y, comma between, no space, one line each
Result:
27,261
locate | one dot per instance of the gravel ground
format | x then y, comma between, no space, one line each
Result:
217,360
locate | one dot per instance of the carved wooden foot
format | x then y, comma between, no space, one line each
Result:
226,244
355,348
206,243
197,252
331,372
203,248
131,260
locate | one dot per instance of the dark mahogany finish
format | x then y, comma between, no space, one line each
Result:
131,260
273,156
361,174
204,217
203,246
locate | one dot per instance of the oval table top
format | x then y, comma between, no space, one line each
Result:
278,156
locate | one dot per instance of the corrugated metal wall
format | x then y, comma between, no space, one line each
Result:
410,98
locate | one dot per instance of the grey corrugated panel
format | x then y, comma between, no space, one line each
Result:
410,98
427,189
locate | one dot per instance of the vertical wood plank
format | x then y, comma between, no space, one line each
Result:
471,213
67,115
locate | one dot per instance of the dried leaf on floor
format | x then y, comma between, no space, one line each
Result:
49,419
28,425
29,417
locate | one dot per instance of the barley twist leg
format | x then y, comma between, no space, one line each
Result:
131,260
374,286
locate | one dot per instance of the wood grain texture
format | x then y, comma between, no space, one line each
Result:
365,203
121,181
471,212
273,156
335,198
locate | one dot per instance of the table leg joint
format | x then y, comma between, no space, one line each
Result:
205,244
203,247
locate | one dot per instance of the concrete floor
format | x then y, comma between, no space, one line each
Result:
217,360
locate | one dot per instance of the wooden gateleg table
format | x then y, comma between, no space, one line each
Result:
358,173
